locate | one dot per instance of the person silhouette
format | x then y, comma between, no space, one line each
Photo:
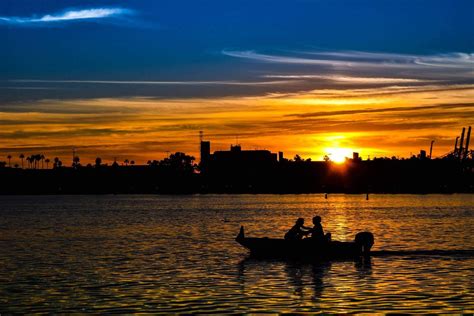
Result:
297,231
317,232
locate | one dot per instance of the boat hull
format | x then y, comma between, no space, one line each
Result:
306,248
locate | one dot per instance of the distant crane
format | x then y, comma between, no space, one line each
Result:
466,151
461,143
462,152
431,148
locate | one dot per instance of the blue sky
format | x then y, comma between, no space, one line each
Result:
306,54
150,40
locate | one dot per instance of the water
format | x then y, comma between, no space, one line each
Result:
174,254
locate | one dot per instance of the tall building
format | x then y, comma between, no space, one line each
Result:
205,152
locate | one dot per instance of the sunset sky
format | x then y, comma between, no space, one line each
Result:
138,79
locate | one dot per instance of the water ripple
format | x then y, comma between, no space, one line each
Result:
168,254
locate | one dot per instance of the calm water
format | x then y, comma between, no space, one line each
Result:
177,254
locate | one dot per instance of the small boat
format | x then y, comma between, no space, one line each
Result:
306,248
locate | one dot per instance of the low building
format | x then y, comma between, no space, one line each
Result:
237,156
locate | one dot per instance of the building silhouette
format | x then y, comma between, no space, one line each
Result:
251,171
205,152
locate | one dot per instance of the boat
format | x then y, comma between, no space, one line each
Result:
306,248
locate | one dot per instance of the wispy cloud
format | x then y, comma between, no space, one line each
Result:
186,83
283,59
68,15
28,88
387,110
356,59
447,60
322,70
349,79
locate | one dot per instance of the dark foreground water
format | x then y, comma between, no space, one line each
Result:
174,254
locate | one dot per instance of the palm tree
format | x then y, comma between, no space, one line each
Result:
22,157
37,160
98,162
56,163
126,162
9,160
47,162
28,160
42,161
75,161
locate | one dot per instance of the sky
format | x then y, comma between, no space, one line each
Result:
139,79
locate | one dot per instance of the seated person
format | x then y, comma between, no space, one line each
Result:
317,232
297,231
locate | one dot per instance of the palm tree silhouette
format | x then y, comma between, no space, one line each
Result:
98,162
37,160
42,161
22,157
28,160
9,160
126,162
57,163
47,162
75,161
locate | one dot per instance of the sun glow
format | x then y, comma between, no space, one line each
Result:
339,155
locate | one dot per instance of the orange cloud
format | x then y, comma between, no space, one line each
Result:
391,120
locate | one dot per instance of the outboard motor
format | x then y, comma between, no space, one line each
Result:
364,241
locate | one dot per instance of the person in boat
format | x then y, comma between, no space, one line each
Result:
317,233
297,231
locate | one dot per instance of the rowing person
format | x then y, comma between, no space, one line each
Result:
297,231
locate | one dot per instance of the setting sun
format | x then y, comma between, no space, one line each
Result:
339,155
